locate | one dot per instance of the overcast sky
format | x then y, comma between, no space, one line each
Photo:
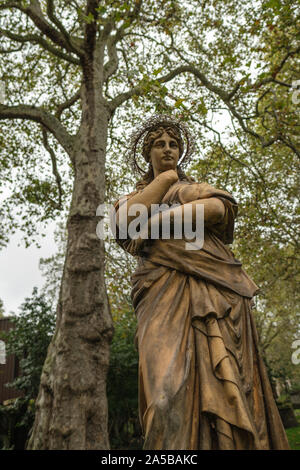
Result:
19,269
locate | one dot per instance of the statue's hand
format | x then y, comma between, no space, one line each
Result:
170,177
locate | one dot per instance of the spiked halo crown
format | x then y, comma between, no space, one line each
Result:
153,123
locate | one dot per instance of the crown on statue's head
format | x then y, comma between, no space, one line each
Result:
155,121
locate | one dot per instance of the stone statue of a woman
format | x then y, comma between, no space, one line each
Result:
202,383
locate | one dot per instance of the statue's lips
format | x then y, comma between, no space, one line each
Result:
168,158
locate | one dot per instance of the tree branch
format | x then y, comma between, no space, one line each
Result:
8,5
54,167
112,65
34,12
138,90
59,25
227,96
289,144
269,338
36,15
277,70
223,95
35,38
271,79
10,51
67,104
40,115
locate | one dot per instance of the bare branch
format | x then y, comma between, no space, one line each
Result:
10,51
269,337
112,65
59,25
277,70
40,115
240,118
233,92
36,39
54,167
271,79
34,12
223,95
67,104
289,144
138,90
123,52
8,5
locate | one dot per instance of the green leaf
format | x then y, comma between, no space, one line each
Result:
89,18
157,71
179,103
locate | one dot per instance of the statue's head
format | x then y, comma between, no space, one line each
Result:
162,148
144,140
156,133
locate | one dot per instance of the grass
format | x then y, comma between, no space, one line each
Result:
293,434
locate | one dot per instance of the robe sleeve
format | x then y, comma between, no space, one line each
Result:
132,247
223,230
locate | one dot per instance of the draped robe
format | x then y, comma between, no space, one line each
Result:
202,382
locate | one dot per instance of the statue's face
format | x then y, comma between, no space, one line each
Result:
164,154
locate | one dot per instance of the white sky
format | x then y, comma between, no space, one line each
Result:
19,269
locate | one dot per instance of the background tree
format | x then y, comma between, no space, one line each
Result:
28,340
123,424
70,68
1,308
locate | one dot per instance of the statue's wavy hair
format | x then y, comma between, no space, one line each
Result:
152,135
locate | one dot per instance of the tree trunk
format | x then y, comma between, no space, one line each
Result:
72,406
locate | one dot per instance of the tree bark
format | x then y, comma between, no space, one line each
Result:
71,409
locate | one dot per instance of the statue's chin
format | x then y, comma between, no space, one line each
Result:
168,165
